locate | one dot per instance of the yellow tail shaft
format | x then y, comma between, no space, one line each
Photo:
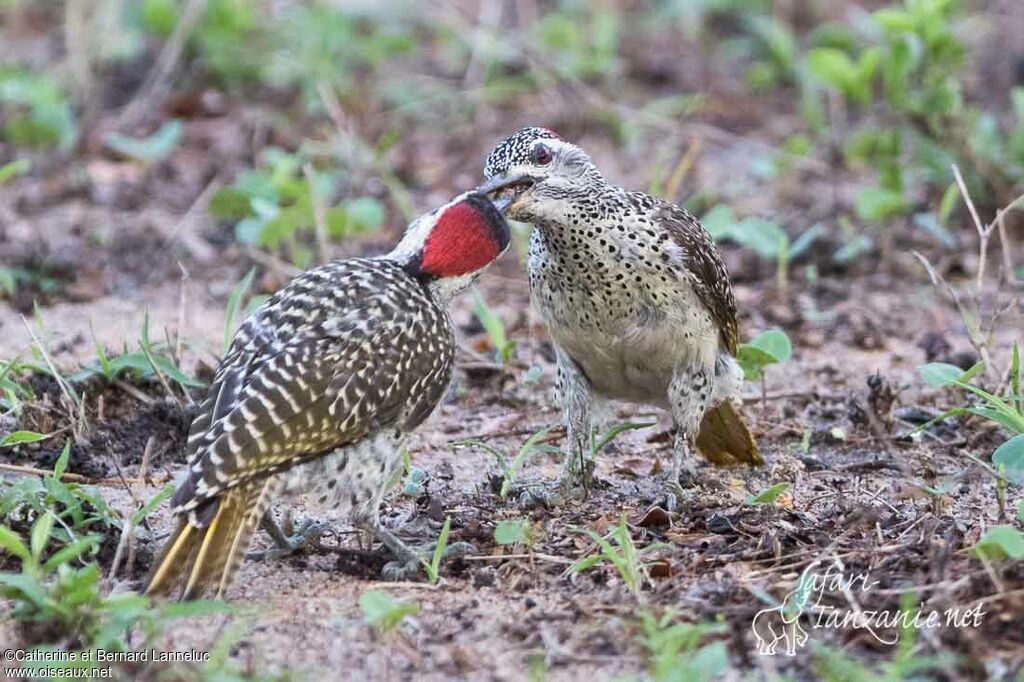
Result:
725,439
208,557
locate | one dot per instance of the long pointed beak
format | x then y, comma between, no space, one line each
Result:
500,182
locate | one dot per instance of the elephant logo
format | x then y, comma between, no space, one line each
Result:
782,623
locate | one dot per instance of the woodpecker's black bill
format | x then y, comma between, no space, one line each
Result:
503,191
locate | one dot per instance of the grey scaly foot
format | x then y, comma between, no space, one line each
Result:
413,568
409,561
540,496
308,534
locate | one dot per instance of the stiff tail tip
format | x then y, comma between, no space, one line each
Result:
725,439
197,559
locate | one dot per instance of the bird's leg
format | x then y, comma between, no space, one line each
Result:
689,393
409,560
306,535
574,395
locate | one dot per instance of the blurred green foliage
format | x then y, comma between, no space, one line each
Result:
879,92
274,204
35,111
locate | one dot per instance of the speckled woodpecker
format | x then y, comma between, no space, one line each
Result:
635,296
319,390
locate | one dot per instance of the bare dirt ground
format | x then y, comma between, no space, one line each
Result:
835,422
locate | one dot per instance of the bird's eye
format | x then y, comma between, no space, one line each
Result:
542,155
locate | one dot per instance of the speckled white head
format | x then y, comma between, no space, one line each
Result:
533,173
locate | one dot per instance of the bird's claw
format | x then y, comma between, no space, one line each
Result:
672,493
541,497
307,535
412,567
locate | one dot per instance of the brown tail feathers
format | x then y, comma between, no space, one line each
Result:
725,439
205,557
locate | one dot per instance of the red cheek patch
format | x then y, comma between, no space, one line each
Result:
461,242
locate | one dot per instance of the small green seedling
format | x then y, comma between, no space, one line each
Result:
14,169
674,650
383,612
768,495
433,568
767,348
765,237
1000,543
514,532
1004,410
495,328
623,555
509,468
39,115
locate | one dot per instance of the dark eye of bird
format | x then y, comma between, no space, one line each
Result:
542,155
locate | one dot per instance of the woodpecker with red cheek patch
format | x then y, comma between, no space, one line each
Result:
319,391
635,296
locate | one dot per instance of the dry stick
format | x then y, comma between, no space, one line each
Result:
76,478
181,313
134,392
183,230
973,328
319,213
983,232
686,162
76,420
488,19
158,81
66,477
147,454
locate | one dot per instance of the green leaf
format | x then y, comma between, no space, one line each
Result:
20,437
512,532
230,203
768,495
434,568
30,588
877,203
719,221
189,609
766,237
10,541
1001,542
1010,455
383,612
40,535
939,374
767,348
152,149
365,214
775,343
147,508
611,434
13,170
1020,511
69,553
61,465
832,68
895,20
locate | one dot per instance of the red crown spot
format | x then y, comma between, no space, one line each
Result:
461,242
552,133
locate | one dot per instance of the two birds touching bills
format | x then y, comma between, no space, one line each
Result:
324,382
